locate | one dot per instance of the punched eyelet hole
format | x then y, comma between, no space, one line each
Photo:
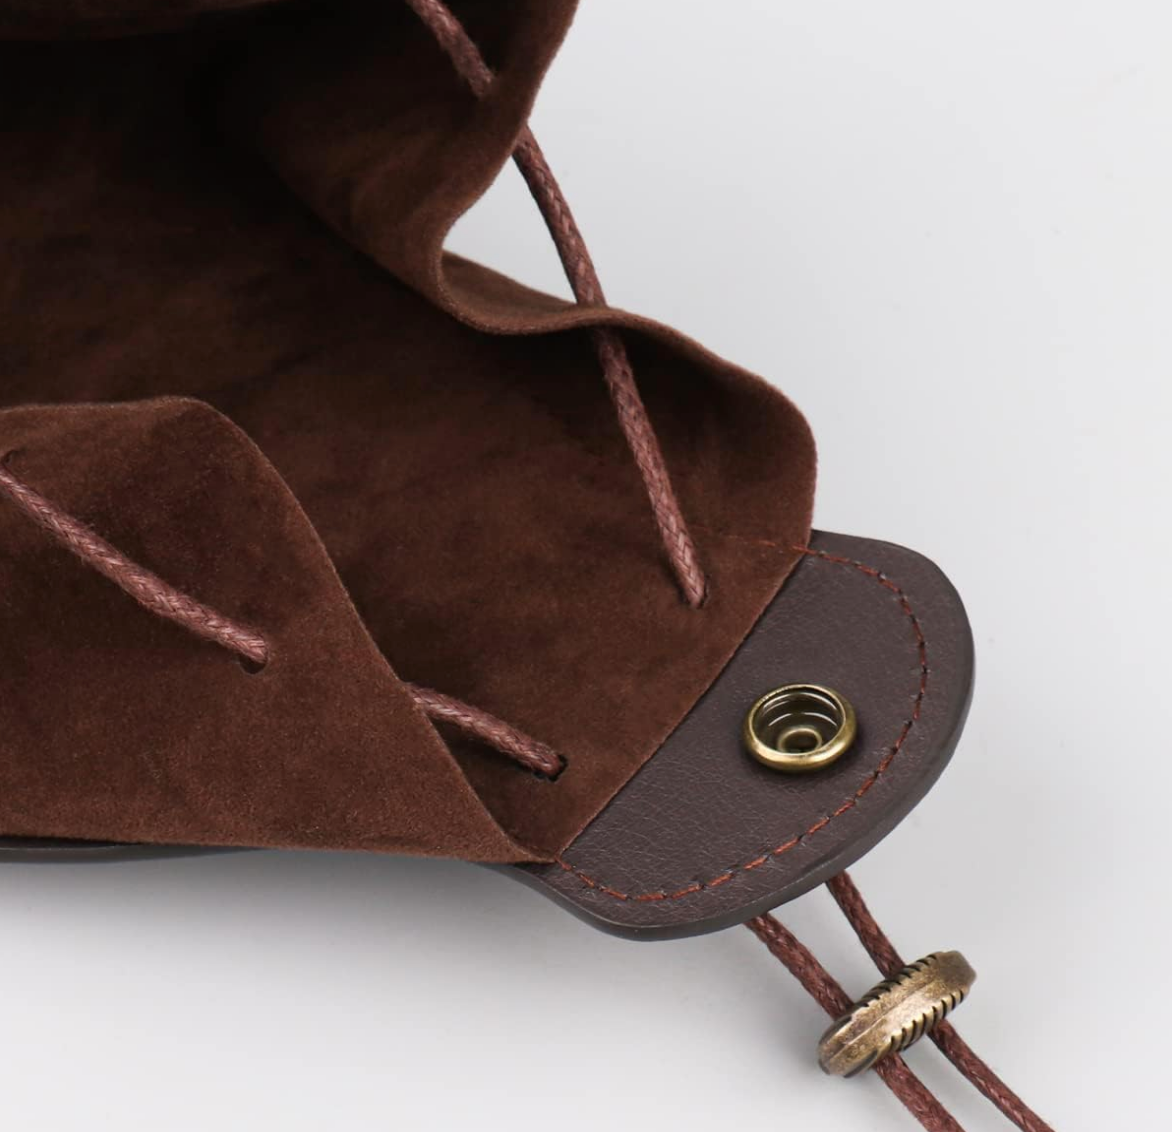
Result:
800,727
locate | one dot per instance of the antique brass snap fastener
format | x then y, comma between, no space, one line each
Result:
800,727
895,1013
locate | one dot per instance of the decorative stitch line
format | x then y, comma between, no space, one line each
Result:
849,804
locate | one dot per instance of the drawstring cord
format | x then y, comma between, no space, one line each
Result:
641,439
164,600
584,282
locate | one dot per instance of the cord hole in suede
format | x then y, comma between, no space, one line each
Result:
542,777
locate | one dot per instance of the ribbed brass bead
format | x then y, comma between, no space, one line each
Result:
895,1013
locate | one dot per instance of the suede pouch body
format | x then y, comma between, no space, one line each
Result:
232,343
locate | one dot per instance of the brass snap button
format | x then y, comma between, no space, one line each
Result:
895,1013
800,727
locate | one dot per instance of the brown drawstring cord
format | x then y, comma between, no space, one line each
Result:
833,999
951,1044
156,595
579,268
826,991
148,589
640,436
530,753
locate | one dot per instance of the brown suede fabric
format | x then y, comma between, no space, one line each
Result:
301,753
255,371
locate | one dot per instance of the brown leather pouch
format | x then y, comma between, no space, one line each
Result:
319,537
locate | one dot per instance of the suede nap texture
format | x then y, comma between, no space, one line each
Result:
232,343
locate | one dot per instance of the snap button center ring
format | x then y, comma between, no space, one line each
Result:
800,727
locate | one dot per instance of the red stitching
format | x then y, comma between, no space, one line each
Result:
849,804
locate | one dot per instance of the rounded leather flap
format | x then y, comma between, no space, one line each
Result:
704,836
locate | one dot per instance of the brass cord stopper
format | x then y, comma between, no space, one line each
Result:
895,1013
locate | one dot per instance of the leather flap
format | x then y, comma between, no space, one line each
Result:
704,836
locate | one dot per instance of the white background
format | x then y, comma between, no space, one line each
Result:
944,229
